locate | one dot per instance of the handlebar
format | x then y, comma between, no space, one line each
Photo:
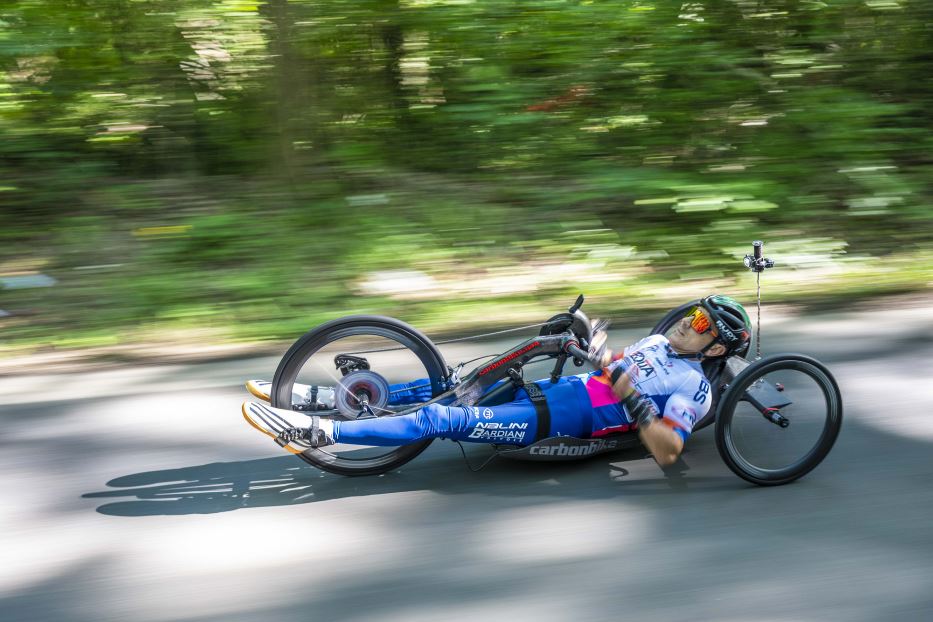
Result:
576,351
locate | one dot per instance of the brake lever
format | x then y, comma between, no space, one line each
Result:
558,367
577,304
569,339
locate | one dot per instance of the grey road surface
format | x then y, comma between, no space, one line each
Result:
140,494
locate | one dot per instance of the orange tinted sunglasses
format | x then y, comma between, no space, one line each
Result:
698,321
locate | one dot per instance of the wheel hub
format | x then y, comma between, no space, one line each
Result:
362,393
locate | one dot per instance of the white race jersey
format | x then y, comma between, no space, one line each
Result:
675,385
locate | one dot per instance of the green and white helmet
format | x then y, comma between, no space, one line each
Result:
733,327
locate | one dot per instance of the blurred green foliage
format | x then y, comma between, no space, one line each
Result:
251,168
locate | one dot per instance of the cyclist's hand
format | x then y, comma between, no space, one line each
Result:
598,353
621,383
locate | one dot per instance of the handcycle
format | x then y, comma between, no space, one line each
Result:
776,418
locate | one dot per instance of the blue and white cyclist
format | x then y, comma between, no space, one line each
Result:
655,386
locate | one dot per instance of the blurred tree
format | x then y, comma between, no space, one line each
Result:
342,133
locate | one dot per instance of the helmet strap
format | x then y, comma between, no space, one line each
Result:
694,356
702,353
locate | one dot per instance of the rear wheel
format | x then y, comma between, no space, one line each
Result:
361,357
778,419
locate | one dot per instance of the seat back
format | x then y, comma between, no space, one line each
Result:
719,372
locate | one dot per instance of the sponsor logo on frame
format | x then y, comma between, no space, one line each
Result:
510,357
563,449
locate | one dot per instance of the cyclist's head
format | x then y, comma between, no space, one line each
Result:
717,326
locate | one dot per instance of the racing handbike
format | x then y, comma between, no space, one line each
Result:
776,417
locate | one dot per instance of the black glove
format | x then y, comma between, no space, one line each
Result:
641,409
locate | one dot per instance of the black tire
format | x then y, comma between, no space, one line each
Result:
825,431
302,350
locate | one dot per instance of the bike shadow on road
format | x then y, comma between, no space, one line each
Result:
226,486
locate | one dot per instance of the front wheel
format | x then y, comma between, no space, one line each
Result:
778,419
359,358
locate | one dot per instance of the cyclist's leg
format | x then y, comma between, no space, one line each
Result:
514,423
413,392
419,391
570,406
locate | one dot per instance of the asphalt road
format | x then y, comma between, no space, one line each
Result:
140,494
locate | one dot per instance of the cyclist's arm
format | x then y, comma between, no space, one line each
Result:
665,437
664,433
663,442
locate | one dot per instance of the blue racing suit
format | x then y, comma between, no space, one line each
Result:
512,423
581,406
